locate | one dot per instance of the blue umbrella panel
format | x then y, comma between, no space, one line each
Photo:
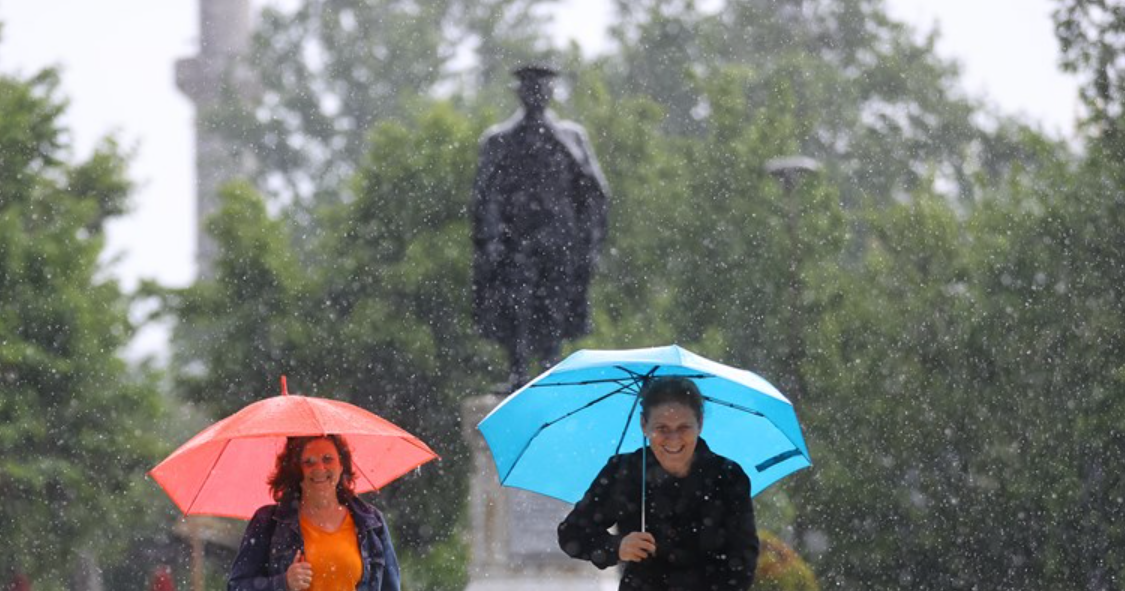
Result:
556,433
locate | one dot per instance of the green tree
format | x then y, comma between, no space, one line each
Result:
1055,281
897,421
238,334
74,424
383,325
1092,37
965,373
399,301
328,71
881,302
876,93
1081,278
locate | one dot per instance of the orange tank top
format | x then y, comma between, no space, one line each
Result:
334,556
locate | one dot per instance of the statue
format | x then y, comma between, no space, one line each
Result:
539,219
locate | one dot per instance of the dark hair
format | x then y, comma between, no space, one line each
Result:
286,478
671,390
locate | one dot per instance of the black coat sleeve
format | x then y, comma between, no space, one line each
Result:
584,534
734,558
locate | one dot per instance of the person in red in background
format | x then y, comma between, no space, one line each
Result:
162,579
19,583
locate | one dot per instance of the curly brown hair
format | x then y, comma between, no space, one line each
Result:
285,482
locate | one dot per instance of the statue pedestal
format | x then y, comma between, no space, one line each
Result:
513,538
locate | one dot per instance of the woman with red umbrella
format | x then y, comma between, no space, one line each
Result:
318,535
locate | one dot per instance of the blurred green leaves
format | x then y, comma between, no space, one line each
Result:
74,423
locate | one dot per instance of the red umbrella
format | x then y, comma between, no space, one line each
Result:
222,471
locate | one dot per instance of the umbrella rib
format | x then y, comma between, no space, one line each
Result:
733,405
431,457
745,409
638,378
527,444
624,387
628,421
363,473
210,471
581,383
421,446
634,377
315,416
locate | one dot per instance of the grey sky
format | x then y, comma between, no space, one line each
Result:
117,58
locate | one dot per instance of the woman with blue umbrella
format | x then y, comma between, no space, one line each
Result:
690,527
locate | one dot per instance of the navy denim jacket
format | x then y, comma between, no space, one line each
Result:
274,535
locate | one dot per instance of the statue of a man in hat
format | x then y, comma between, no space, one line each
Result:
539,218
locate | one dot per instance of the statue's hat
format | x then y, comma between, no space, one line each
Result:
535,71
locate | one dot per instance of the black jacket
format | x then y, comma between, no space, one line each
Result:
706,539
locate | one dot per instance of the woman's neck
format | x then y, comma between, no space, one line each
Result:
319,503
680,473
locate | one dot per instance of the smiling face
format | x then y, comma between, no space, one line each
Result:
320,468
673,430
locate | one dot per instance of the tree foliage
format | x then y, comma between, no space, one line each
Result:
381,322
1091,34
875,104
943,300
328,71
74,424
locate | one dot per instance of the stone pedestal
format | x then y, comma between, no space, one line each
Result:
513,538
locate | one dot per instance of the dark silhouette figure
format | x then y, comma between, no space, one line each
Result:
539,218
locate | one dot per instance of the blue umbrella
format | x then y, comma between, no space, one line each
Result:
553,435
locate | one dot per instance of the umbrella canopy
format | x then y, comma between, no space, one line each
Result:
223,470
553,435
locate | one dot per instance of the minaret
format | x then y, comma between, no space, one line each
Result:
224,38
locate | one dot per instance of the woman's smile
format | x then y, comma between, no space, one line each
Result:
673,431
320,464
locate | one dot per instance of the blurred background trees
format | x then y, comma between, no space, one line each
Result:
945,294
74,420
942,277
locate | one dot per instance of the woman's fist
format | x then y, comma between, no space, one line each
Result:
636,546
299,575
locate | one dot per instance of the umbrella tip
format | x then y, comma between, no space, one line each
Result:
284,388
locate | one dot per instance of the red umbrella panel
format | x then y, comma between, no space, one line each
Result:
223,470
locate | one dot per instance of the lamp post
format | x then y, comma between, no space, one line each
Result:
789,171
